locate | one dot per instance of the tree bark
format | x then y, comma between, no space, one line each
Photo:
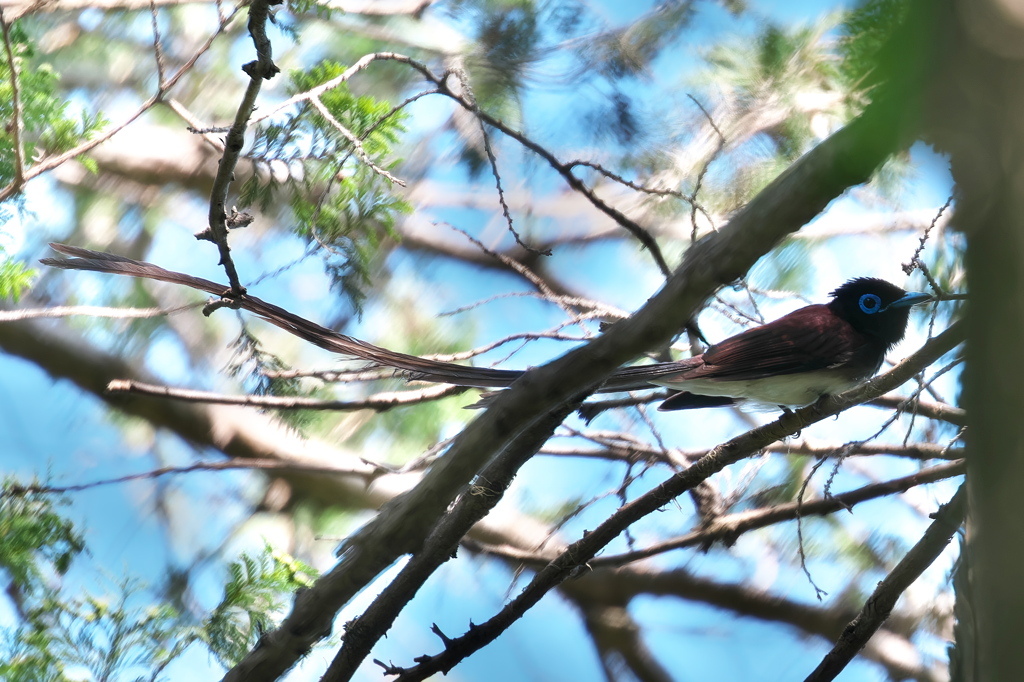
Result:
976,117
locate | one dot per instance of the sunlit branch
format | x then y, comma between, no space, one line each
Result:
91,311
646,453
932,410
380,402
602,310
195,125
158,50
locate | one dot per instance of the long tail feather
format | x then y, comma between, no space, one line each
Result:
410,366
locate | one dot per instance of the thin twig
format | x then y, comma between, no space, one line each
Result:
228,465
441,82
645,452
530,276
818,592
704,169
48,164
467,92
196,127
158,50
915,260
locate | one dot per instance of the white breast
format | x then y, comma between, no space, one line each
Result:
794,390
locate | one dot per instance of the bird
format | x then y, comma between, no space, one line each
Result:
793,361
814,351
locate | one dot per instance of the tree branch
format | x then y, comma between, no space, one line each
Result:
258,71
881,602
439,546
380,402
727,529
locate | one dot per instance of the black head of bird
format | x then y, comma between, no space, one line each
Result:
814,351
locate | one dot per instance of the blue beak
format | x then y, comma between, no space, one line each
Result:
912,298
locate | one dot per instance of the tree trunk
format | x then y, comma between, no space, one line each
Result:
978,117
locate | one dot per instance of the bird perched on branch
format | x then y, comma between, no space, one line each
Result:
814,351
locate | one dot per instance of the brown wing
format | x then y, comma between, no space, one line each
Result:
807,339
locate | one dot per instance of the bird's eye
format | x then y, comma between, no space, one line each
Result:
870,303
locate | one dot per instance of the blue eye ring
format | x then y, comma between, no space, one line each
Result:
870,304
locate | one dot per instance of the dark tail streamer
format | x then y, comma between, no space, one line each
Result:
410,367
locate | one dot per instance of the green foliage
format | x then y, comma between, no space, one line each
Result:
119,638
629,51
320,10
113,639
250,599
865,31
27,655
353,220
35,541
411,430
336,199
258,367
14,277
508,38
781,67
786,488
788,269
47,126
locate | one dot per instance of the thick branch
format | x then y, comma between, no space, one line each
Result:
489,487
